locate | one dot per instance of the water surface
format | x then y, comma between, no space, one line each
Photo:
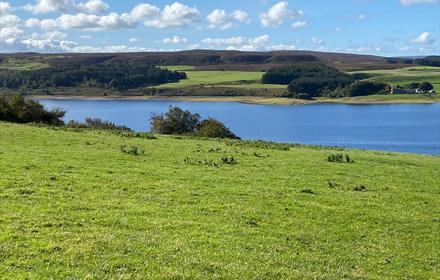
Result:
413,128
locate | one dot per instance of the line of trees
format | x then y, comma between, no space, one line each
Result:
119,76
306,81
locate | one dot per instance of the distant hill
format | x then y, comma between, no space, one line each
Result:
227,60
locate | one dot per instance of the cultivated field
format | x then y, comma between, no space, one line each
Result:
407,75
210,78
22,64
73,205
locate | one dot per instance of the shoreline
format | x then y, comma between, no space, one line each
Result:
248,99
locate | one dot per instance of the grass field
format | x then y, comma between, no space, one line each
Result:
407,75
74,206
233,79
22,64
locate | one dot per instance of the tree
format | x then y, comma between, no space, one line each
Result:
425,86
175,121
17,109
178,121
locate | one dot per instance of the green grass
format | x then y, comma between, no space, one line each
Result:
407,75
74,206
22,64
178,67
232,79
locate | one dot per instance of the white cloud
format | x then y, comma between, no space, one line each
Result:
86,37
93,6
141,12
338,29
362,17
236,41
413,2
9,20
5,7
54,35
219,19
277,14
10,35
133,40
174,15
261,43
317,41
48,45
84,21
424,38
174,40
32,22
299,24
65,6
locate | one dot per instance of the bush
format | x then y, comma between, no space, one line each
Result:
214,129
177,122
96,123
425,86
132,150
341,158
16,108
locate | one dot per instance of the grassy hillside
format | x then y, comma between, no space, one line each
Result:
22,64
407,75
75,206
219,79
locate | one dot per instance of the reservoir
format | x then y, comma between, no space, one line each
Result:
413,128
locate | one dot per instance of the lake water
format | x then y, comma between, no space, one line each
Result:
413,128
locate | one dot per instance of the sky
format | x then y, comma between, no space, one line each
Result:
376,27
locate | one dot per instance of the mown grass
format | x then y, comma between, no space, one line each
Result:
22,64
74,205
407,75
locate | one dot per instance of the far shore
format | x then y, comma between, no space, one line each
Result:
373,99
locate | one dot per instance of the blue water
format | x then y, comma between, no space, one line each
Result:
413,128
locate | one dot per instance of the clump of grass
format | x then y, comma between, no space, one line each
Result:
360,188
308,191
228,160
205,162
132,150
143,135
332,184
340,158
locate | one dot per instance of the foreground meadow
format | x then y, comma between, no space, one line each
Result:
79,204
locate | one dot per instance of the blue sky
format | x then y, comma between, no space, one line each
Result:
378,27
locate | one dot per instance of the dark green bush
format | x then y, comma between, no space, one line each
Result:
175,121
16,108
179,122
214,129
341,158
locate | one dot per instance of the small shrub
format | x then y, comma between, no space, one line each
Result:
332,184
96,123
132,150
142,135
360,188
228,160
205,162
308,191
341,158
